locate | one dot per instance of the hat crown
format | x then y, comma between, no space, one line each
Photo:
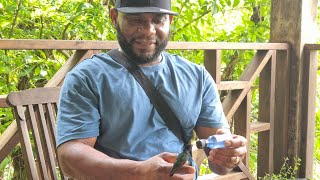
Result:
144,6
164,4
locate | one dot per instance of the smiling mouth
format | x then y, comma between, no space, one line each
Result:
145,41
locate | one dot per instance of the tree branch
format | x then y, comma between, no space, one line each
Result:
194,20
41,28
15,18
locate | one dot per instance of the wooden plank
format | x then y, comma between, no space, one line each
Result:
232,85
67,66
259,126
25,143
41,161
8,140
3,101
266,115
25,44
242,123
231,175
34,96
312,46
212,62
48,152
308,121
234,98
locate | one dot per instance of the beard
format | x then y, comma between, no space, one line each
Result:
127,47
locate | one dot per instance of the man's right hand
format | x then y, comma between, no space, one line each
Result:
159,167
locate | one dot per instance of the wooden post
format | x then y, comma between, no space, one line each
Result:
292,21
242,123
212,62
266,114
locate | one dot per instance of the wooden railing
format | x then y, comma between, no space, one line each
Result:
237,104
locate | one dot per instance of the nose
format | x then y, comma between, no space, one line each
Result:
147,28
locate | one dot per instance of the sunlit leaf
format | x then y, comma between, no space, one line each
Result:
236,3
37,71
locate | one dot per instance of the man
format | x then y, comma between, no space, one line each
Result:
106,126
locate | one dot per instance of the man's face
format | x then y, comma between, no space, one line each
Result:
143,36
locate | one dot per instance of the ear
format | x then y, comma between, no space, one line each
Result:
170,19
113,16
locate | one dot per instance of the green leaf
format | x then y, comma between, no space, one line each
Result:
185,37
37,71
84,6
236,3
214,9
228,2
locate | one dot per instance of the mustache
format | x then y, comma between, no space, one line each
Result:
140,38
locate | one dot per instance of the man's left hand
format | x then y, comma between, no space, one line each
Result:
232,154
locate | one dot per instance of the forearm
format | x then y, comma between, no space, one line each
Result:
81,161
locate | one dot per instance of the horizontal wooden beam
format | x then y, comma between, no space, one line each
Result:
312,46
259,126
231,175
27,44
232,85
8,140
3,101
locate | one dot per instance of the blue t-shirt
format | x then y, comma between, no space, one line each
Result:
100,98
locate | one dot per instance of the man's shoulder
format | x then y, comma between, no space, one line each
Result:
178,60
94,63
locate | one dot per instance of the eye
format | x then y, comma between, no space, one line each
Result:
135,21
159,20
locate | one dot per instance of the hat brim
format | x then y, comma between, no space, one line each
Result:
146,10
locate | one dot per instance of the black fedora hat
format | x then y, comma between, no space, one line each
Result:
144,6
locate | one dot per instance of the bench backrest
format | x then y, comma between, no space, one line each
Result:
35,112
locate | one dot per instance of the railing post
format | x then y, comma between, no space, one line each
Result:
294,22
242,123
266,114
308,105
212,62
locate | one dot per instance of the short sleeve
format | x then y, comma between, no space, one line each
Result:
211,114
78,113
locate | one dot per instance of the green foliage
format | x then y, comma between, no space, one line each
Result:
286,172
199,20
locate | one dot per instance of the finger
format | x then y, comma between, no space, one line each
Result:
212,152
237,141
168,157
226,161
185,170
241,151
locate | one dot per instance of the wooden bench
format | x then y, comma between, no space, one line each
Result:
35,112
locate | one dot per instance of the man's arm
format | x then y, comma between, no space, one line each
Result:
221,161
79,160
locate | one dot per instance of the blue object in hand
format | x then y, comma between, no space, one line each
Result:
214,141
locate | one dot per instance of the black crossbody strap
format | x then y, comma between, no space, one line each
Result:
155,97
